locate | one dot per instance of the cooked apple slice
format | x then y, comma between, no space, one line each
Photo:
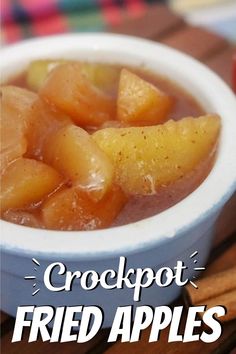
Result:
27,181
76,155
42,122
15,104
139,102
69,89
72,209
38,71
148,157
103,76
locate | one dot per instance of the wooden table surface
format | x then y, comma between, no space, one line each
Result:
162,25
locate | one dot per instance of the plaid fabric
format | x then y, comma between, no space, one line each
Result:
29,18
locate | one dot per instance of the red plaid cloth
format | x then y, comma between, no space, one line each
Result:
29,18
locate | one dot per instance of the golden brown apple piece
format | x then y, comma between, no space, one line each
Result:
38,71
15,104
73,209
148,157
42,123
74,153
25,182
139,102
71,91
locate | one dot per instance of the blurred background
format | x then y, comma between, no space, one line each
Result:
30,18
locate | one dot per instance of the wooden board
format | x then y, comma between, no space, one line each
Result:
196,41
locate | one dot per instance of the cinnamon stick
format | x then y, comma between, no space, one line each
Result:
228,300
214,290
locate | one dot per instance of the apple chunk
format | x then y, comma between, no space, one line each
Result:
104,76
38,71
42,123
72,209
140,102
15,105
75,154
25,182
146,158
70,90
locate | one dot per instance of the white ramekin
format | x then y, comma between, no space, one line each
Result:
154,242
